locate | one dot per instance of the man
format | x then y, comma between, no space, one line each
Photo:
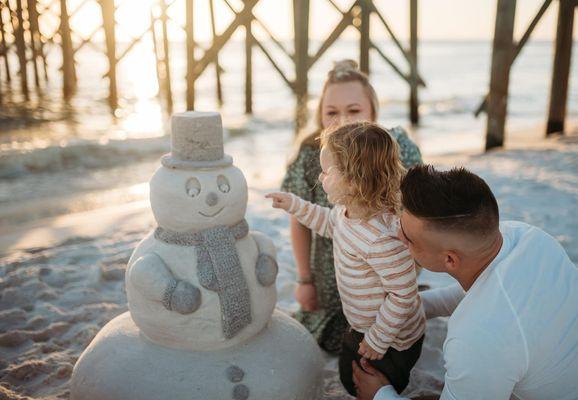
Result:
513,330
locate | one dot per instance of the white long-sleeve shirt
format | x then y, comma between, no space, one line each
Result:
514,334
375,274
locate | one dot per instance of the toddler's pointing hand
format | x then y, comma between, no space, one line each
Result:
280,200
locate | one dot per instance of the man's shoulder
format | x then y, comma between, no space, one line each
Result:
484,311
514,231
531,253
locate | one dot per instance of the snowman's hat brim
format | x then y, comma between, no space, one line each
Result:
174,163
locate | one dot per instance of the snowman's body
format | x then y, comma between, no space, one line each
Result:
201,294
202,329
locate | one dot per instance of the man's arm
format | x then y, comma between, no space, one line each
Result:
443,301
485,368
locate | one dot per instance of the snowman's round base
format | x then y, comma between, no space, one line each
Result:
282,362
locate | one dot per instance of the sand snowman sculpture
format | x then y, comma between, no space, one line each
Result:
201,292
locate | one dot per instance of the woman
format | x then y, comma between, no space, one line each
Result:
347,96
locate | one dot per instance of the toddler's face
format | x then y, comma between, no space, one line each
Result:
331,179
345,102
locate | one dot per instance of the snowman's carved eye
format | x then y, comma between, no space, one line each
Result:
193,187
223,184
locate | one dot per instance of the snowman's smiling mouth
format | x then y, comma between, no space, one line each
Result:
211,215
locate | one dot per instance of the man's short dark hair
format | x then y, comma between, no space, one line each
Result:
455,200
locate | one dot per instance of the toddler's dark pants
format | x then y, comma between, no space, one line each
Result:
395,365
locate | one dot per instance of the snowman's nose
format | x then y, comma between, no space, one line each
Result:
212,199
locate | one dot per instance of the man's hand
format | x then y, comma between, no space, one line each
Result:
280,200
306,296
366,351
367,380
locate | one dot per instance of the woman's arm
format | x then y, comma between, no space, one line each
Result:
301,240
305,294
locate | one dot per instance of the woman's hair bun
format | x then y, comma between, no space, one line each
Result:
346,65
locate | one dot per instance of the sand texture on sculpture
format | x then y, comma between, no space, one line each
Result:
201,294
142,370
202,329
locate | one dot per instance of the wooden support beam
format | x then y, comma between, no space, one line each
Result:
302,63
346,20
40,41
130,46
279,45
68,68
391,34
158,56
109,24
484,104
217,66
392,65
190,33
503,51
249,66
275,65
222,39
4,42
34,38
366,7
166,57
561,70
266,29
18,24
250,41
414,81
78,8
397,42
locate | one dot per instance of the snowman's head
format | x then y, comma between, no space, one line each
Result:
197,199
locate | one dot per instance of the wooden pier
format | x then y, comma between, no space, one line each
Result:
25,37
505,51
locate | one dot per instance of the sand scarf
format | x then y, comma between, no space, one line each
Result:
219,269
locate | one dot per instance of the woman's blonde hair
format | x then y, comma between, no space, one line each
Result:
343,71
367,156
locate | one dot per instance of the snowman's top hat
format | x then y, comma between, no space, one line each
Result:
196,141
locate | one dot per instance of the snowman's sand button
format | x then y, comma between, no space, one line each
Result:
235,374
240,392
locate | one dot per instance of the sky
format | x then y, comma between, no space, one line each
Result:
438,19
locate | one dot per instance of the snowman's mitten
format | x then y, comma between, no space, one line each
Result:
182,297
266,269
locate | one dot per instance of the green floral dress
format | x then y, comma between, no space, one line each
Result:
328,323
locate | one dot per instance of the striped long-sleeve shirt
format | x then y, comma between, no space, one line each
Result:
375,273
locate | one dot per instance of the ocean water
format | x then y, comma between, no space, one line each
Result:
456,75
51,150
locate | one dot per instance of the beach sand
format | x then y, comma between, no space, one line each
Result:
62,278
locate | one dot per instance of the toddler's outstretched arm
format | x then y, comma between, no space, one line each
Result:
280,200
319,219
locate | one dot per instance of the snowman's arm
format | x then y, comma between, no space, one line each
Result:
153,279
150,276
266,268
264,244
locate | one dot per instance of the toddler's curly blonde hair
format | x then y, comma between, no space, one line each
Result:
368,158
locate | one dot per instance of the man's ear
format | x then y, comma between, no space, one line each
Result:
452,261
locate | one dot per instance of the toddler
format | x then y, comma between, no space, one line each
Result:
375,273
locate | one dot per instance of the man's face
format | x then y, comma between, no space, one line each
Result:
422,243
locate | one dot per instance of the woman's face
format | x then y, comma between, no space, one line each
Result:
345,102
